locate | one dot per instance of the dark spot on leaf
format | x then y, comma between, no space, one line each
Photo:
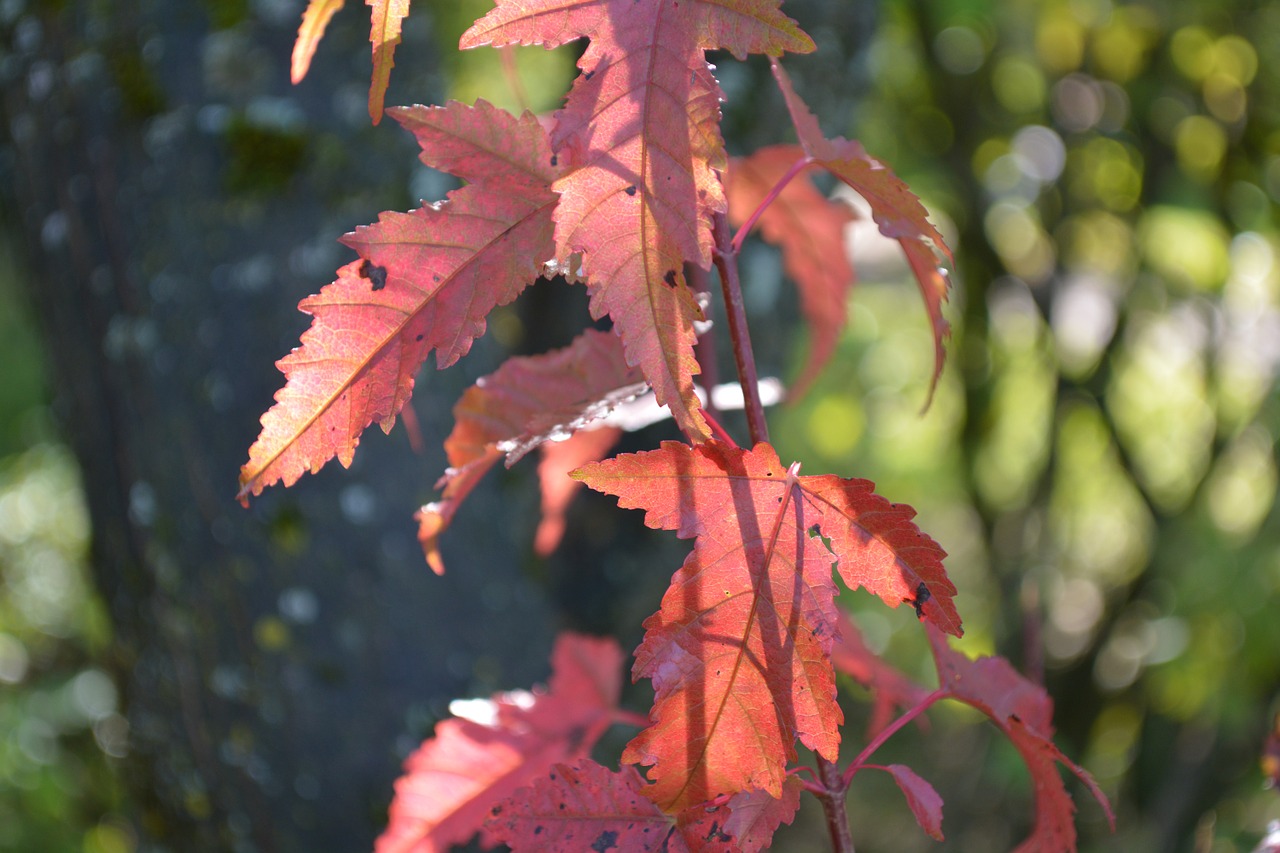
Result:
670,278
495,811
815,530
922,595
715,833
377,275
1015,718
555,161
607,840
631,190
537,830
587,75
418,338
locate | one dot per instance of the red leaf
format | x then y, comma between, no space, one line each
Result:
558,488
314,21
890,688
893,206
428,280
589,807
924,801
384,35
640,137
1024,712
739,653
454,779
809,228
521,405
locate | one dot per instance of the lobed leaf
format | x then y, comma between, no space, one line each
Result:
1024,712
896,210
475,761
809,229
640,138
427,282
739,652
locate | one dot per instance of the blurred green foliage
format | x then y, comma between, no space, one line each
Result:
1100,459
60,725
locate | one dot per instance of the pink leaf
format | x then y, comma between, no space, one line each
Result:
454,779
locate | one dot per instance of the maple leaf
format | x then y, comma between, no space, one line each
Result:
589,807
427,281
894,207
475,761
809,229
739,652
1024,712
523,404
314,21
640,136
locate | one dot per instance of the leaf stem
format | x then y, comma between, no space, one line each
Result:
891,729
835,786
726,260
741,236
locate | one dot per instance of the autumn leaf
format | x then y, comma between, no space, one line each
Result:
896,210
1024,712
739,652
479,758
809,229
384,35
314,21
526,402
923,800
426,282
640,140
589,807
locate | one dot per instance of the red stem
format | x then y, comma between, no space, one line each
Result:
832,799
891,729
741,236
726,259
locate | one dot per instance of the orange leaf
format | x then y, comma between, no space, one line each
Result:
314,21
739,653
427,281
384,35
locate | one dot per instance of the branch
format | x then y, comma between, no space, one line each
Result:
726,260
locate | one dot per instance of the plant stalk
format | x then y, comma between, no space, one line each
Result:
833,806
726,260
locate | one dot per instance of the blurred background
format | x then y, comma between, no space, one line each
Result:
1099,459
